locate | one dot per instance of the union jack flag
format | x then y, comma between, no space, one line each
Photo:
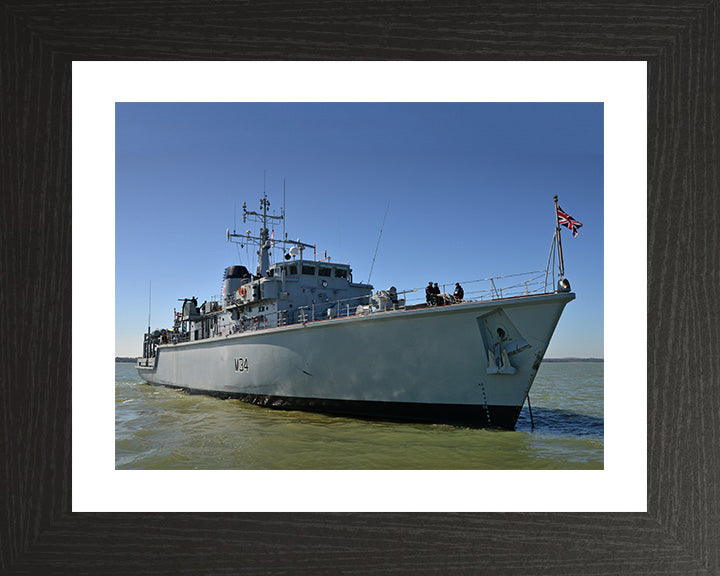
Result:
564,219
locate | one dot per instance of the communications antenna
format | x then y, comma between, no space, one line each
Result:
378,242
284,236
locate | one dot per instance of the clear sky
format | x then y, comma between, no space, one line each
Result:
470,190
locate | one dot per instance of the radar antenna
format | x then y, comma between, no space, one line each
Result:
263,241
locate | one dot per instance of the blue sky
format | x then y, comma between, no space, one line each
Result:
470,190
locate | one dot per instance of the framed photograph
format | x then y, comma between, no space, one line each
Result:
382,195
655,515
473,124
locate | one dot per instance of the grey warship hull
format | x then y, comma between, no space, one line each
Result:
470,363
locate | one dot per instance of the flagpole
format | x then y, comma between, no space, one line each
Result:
559,241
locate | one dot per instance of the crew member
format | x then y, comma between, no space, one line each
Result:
459,292
436,291
430,294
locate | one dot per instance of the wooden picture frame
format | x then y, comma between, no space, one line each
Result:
680,533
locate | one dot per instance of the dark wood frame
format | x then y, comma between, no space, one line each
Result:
680,533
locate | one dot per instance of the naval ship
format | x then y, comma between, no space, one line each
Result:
301,334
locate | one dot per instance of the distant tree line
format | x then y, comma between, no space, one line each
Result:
573,360
125,359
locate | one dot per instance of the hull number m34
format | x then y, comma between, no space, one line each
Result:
241,364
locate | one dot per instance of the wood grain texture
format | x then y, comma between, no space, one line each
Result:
681,532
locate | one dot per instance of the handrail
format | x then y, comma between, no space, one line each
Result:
347,307
364,305
498,290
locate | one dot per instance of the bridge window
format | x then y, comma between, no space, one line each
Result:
308,270
340,273
292,270
322,271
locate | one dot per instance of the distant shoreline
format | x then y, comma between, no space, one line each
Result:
573,360
133,360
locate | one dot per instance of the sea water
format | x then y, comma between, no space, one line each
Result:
164,428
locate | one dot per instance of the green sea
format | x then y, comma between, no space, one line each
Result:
167,429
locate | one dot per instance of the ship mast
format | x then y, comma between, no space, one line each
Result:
264,241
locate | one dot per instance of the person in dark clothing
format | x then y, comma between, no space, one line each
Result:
430,294
459,292
436,292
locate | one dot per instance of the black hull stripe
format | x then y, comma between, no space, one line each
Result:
476,416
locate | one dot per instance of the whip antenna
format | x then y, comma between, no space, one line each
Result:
149,304
378,242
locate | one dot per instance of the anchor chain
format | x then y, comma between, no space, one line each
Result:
485,403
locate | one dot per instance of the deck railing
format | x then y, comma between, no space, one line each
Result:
496,288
